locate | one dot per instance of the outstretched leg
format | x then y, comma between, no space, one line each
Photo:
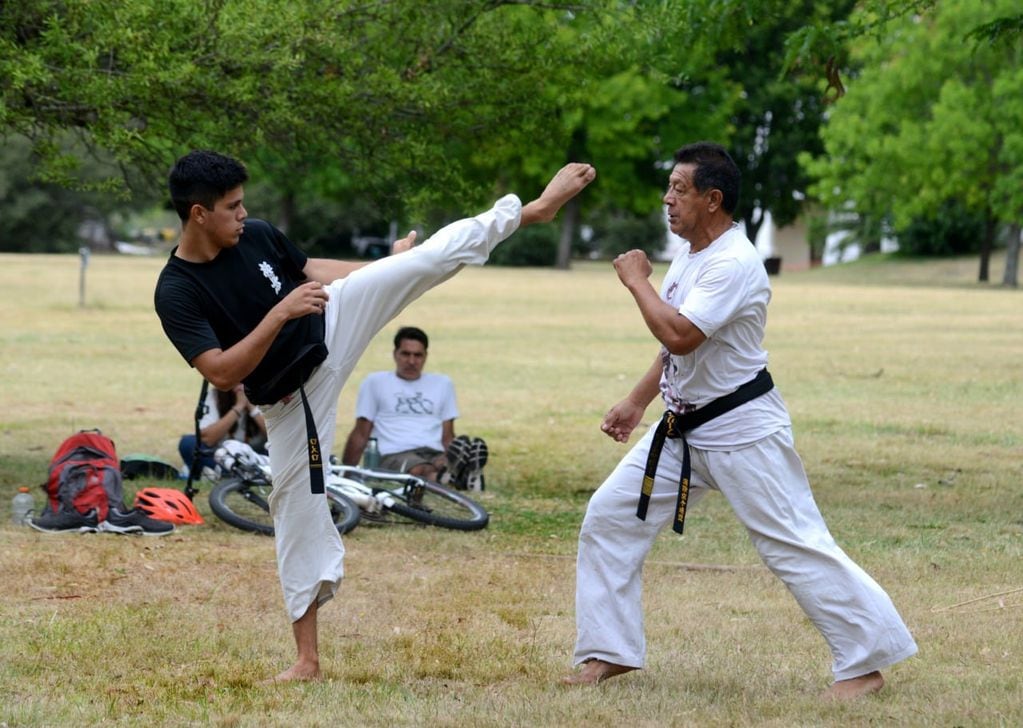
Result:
566,184
767,488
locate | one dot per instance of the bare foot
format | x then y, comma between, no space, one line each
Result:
595,671
299,672
566,184
855,687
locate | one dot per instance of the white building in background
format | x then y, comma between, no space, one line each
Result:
791,244
788,243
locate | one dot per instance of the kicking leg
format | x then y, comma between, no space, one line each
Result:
566,184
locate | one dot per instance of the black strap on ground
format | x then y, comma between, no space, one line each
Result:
674,425
200,412
315,454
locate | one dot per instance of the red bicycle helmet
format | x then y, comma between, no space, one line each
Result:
167,504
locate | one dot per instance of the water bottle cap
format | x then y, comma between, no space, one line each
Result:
23,489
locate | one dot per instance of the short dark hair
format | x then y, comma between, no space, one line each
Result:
203,177
411,332
715,169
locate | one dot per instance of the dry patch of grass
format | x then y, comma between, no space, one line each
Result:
905,400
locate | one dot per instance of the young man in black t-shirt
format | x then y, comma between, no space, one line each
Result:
242,304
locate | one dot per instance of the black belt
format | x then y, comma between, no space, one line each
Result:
313,446
675,425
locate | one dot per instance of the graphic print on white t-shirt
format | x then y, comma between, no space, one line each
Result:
407,414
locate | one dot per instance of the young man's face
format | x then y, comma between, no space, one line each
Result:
410,356
225,222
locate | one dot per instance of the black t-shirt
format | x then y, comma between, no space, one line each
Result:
215,305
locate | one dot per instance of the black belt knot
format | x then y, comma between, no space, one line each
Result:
675,425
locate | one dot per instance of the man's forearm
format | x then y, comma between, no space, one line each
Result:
649,385
355,445
675,331
326,271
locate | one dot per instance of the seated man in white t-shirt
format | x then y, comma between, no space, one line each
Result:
412,416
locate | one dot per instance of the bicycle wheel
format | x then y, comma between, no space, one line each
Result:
245,504
429,503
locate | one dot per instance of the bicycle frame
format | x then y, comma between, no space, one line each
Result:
381,496
349,480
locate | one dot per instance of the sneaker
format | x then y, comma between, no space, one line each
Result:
480,453
64,521
134,521
458,455
466,459
474,479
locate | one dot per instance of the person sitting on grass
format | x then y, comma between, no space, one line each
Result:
226,416
412,416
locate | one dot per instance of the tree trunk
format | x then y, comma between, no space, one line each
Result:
287,213
753,226
1011,277
569,222
985,250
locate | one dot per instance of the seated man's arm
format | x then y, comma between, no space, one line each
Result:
357,439
447,433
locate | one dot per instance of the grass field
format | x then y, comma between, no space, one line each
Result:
905,385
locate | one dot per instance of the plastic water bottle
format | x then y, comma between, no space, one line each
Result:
371,458
22,506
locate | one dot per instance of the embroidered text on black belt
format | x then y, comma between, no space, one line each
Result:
674,425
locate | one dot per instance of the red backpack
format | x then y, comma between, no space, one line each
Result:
85,474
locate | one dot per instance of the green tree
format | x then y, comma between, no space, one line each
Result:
41,216
930,118
376,88
779,113
645,84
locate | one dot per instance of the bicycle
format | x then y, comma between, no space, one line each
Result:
240,495
375,496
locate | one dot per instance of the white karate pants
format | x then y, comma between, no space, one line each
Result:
769,493
309,550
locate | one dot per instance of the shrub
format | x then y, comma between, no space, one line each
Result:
536,245
624,231
952,231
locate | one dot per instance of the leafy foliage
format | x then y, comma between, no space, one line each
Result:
620,232
778,114
951,231
375,88
42,216
536,245
930,118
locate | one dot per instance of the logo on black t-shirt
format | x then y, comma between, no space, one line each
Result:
268,271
